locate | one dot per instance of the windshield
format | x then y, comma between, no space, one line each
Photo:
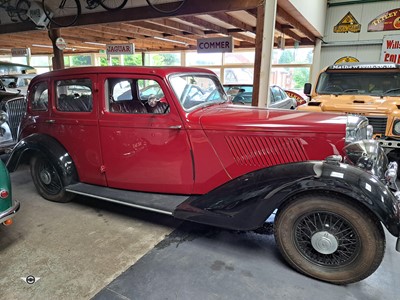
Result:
195,90
360,83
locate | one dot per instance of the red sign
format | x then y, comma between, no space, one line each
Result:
300,100
389,20
391,49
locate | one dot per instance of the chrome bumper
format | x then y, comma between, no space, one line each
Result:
9,213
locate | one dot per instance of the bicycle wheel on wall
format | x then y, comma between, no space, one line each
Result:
22,10
164,7
113,4
62,12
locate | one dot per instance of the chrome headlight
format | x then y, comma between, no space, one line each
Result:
3,117
358,129
396,127
367,155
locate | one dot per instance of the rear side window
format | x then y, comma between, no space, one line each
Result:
39,96
74,95
135,96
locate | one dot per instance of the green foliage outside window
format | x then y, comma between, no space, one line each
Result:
133,60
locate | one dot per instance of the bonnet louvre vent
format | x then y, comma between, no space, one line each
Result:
265,151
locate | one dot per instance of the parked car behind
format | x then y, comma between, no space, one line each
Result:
368,89
193,155
8,206
243,94
12,107
17,81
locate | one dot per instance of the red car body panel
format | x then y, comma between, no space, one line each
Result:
180,152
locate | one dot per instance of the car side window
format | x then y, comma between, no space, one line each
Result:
39,96
276,94
283,94
74,95
151,93
135,96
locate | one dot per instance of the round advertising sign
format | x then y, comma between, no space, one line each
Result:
61,43
346,59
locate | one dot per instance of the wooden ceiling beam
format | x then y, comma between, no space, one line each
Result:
205,24
156,27
180,26
294,23
244,37
233,21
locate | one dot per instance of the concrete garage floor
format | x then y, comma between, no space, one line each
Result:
75,248
89,249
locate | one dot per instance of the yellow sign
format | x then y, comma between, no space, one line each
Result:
347,24
346,59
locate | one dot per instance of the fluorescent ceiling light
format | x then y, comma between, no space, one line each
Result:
168,40
94,43
42,46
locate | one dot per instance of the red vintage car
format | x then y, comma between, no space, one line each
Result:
187,152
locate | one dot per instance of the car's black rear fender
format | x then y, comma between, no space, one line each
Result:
48,147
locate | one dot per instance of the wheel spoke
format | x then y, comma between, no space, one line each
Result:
335,233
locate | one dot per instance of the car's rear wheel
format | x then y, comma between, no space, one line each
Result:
329,238
47,180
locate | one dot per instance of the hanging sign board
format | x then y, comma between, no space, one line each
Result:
19,52
391,49
61,43
117,49
215,45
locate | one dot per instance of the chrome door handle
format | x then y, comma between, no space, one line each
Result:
50,121
175,127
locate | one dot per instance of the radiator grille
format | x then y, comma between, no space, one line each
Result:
265,151
15,109
379,124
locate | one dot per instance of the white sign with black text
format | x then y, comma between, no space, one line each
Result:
19,52
117,49
215,45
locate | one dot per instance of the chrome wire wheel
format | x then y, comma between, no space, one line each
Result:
327,239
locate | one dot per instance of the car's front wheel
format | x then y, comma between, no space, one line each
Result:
47,180
329,238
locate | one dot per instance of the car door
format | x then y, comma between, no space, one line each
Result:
74,123
144,148
276,98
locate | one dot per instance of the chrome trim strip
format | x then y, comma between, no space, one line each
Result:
121,202
9,213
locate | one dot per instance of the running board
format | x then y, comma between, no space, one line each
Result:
161,203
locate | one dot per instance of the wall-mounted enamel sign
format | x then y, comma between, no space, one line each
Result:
389,20
347,24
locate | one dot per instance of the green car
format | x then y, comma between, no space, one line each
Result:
8,207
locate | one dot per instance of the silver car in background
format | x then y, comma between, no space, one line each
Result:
243,94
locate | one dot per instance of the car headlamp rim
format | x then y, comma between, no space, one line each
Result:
3,117
396,127
357,128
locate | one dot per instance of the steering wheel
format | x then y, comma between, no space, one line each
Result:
239,100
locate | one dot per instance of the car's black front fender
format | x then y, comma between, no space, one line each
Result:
245,202
48,147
